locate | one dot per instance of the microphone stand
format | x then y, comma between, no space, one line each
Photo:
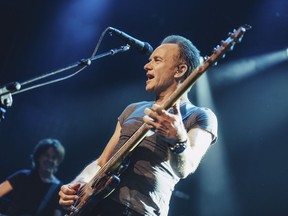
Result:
13,88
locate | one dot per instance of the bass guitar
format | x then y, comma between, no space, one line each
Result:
108,177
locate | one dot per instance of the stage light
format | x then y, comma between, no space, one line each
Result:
244,68
215,166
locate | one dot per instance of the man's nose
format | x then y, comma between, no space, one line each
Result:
52,159
147,66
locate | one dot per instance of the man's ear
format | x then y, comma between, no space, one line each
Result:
181,70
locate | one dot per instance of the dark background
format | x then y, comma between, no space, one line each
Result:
245,173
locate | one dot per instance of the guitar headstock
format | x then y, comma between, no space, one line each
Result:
226,45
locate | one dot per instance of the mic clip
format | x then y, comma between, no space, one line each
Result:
121,49
6,93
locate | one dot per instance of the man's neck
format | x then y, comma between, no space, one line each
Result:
46,176
164,96
183,99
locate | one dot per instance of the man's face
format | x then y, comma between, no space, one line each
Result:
48,161
161,69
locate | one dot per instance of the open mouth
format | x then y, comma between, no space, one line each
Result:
150,76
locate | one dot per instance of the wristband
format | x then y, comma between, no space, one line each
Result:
178,147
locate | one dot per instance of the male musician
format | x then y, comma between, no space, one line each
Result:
34,191
172,149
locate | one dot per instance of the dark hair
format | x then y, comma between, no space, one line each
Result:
43,145
189,54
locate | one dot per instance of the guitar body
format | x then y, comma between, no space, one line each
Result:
102,188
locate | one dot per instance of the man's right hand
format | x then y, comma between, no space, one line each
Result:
68,194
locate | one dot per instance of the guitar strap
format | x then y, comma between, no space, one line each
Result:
46,198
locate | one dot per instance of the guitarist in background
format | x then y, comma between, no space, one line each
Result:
34,192
173,148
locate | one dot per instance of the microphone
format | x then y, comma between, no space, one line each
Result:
142,47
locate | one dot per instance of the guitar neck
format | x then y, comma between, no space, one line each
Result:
117,159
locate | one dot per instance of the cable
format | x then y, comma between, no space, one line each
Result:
83,62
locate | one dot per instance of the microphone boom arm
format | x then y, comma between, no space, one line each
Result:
10,89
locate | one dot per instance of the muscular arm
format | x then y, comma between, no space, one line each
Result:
187,162
86,175
171,128
107,153
5,188
68,192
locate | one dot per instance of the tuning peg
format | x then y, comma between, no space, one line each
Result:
246,26
205,58
216,49
240,39
231,47
232,35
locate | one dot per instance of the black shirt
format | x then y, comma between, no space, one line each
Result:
28,193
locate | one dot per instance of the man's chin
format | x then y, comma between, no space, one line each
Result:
49,169
148,89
